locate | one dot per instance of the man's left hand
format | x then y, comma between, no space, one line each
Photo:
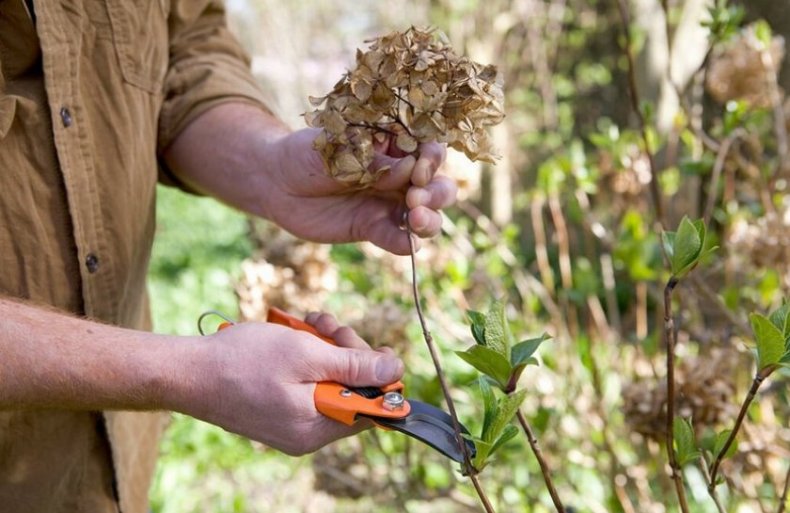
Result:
304,200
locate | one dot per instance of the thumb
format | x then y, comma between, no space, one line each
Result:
361,367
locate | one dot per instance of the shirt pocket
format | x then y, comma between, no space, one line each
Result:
140,36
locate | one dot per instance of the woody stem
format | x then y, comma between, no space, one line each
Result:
669,333
544,468
758,380
468,468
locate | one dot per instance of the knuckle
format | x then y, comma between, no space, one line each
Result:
354,366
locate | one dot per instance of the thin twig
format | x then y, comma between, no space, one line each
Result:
758,380
780,129
703,465
526,284
655,188
536,44
468,468
375,128
721,156
544,468
566,269
541,246
783,498
669,332
622,494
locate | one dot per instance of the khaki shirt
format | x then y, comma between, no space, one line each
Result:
91,91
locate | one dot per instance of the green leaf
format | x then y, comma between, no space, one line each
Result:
490,405
478,326
762,32
523,350
507,407
770,341
489,362
482,451
497,329
781,319
685,443
509,432
668,241
687,246
721,439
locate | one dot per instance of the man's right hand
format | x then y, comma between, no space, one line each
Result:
258,380
254,379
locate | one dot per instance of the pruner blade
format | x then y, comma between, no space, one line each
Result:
419,420
433,427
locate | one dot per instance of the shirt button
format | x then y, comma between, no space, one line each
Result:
92,263
65,116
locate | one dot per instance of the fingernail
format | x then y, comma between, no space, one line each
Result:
388,369
417,197
421,173
404,164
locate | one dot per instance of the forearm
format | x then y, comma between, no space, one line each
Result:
228,152
52,360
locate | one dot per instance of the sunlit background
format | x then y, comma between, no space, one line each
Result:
563,227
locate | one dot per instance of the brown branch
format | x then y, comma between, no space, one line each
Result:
633,93
758,380
468,468
566,269
703,465
544,468
526,284
669,332
536,44
375,128
780,129
783,499
607,267
541,246
721,156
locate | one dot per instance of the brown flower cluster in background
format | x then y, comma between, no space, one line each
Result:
411,87
738,71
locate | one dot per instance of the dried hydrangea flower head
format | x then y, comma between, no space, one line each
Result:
412,87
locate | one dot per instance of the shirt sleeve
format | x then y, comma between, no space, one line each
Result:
207,67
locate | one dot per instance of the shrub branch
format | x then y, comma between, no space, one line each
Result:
783,498
633,94
468,468
758,380
544,468
669,333
703,465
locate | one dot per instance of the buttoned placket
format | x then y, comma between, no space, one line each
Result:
60,56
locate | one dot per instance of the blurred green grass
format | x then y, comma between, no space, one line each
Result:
197,253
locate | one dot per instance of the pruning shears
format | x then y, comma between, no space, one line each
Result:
386,406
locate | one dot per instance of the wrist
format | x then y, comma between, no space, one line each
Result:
184,383
267,163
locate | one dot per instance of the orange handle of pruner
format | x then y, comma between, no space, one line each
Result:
277,316
329,397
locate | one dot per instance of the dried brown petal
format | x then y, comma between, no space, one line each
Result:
406,142
413,87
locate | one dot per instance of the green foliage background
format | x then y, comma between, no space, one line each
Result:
579,256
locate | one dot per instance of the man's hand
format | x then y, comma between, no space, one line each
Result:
258,381
311,205
255,379
245,157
